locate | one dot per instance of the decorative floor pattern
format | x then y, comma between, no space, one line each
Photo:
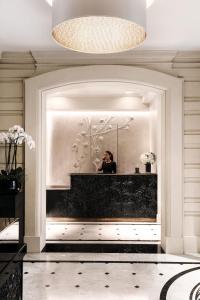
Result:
145,279
103,231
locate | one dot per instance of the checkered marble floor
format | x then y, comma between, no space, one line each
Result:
66,231
114,277
103,231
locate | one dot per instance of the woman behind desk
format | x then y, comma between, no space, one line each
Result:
108,166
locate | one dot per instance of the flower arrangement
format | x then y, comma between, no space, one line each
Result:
14,137
148,158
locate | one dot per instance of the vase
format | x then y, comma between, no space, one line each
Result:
148,167
9,185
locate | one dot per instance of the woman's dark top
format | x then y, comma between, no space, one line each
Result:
109,167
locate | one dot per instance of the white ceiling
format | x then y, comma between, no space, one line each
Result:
171,25
121,95
104,90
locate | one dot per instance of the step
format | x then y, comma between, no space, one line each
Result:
103,247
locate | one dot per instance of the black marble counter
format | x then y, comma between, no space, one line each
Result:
105,196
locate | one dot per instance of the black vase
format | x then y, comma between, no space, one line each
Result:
148,167
9,185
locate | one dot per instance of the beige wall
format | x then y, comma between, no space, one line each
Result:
126,145
15,67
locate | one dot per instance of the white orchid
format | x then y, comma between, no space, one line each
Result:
12,138
16,129
148,157
3,138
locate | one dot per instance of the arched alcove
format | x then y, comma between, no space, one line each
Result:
170,90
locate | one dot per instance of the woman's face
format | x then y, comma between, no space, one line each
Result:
107,156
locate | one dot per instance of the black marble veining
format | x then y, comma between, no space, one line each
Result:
11,272
105,196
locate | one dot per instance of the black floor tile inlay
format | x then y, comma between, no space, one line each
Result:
103,248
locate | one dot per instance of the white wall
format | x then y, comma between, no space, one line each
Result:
15,67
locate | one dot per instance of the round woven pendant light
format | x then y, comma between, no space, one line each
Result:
99,26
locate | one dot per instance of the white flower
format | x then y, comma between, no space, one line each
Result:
74,146
4,137
20,140
16,129
97,160
83,133
85,145
101,138
148,157
76,165
30,142
16,135
97,149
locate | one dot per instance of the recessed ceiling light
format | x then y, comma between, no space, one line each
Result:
93,26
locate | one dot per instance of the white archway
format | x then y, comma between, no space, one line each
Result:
172,149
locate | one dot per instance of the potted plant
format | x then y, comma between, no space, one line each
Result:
11,177
148,159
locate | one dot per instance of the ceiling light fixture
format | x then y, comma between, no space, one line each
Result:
99,26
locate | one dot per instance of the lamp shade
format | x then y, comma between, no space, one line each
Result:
99,26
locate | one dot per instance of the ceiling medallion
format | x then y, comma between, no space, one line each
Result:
93,26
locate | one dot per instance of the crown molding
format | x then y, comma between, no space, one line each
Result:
45,61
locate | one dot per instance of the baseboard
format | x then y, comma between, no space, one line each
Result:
191,244
34,244
173,245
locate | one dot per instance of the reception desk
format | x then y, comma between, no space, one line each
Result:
106,196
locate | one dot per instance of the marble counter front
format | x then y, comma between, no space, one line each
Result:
105,196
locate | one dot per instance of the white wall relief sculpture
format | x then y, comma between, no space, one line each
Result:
93,139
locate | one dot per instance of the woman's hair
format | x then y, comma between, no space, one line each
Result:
110,154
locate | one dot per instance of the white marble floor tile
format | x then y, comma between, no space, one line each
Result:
111,281
120,257
11,232
103,231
